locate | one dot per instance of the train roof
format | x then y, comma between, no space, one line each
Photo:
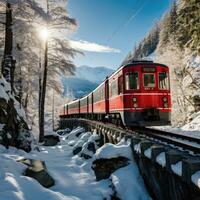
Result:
137,62
142,62
132,63
74,101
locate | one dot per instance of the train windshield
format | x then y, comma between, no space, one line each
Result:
163,81
132,81
149,80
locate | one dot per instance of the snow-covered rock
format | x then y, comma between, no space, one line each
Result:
12,118
74,178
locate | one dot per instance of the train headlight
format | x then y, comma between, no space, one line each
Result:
164,99
165,105
134,99
135,105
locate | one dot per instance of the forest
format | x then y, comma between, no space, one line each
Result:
175,41
34,53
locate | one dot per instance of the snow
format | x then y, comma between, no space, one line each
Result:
92,139
5,93
190,129
196,178
127,176
177,168
73,175
73,134
161,159
137,148
1,126
147,153
4,89
20,111
119,150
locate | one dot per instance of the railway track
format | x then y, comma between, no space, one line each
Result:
188,143
183,142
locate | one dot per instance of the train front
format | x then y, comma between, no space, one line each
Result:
147,99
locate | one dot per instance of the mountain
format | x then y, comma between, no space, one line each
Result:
85,80
93,74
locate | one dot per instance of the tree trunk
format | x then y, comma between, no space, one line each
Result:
40,88
20,86
8,64
53,111
43,88
43,94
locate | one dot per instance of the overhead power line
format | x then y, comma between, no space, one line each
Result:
132,16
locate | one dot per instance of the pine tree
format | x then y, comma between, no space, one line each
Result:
189,24
173,26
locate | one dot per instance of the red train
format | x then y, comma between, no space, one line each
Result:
136,94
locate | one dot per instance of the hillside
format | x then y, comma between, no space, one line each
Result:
93,74
175,41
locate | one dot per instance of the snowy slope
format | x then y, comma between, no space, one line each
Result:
74,178
93,74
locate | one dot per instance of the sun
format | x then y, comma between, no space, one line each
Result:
43,33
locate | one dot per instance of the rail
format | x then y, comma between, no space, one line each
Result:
182,142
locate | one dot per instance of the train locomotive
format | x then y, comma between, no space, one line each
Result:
137,94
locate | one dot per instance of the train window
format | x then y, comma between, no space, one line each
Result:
149,80
84,102
99,94
163,81
113,88
120,85
132,81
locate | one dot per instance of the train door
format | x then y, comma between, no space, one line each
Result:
107,95
67,109
87,104
64,110
92,103
79,107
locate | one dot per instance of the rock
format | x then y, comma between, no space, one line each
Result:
91,147
11,115
24,140
77,150
88,150
37,170
114,195
104,167
196,100
51,140
85,156
80,132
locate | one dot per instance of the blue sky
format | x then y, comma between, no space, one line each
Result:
109,29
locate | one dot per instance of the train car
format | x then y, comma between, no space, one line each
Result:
136,94
84,106
99,101
140,94
90,105
74,108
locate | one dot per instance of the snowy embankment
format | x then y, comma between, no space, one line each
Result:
73,175
190,129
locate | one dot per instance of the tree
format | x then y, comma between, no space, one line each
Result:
147,46
57,52
12,8
189,24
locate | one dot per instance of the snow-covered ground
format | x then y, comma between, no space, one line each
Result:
74,178
192,128
188,129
